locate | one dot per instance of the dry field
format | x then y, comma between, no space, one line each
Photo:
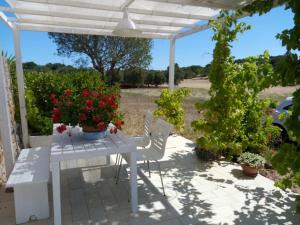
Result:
136,101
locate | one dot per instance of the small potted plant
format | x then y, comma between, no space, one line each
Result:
250,163
93,110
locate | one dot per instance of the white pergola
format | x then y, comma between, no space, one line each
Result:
156,19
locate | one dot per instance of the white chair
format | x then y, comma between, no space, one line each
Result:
156,150
141,141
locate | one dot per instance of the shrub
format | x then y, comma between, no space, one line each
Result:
40,85
251,159
170,106
158,78
234,118
133,77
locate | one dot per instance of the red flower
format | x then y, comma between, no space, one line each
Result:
54,101
114,106
52,96
85,93
97,118
89,104
56,111
102,126
102,104
55,118
61,128
82,117
94,94
67,93
119,123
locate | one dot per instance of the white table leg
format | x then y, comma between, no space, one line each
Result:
56,192
133,182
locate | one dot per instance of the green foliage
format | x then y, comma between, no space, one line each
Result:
251,159
170,106
133,77
107,54
36,120
234,119
287,160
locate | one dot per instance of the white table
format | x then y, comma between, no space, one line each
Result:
65,147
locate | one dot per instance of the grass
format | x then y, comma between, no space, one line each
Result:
135,102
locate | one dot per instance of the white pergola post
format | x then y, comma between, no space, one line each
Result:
5,121
21,89
172,63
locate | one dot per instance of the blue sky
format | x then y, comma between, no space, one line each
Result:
192,50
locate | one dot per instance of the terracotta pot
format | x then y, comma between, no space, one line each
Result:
90,129
249,170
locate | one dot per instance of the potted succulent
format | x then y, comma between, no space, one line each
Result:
93,110
250,163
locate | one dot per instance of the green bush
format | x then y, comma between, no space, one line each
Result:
234,119
39,86
170,106
133,77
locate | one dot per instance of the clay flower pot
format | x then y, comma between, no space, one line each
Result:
249,170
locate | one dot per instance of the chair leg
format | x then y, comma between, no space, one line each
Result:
149,168
117,164
119,169
117,158
161,179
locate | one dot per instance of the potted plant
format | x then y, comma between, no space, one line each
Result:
93,110
250,163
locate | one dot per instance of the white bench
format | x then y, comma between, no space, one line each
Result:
29,179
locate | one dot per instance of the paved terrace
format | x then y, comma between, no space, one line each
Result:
197,193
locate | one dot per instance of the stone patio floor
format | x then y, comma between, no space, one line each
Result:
197,193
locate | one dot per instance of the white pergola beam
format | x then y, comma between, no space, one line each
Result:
126,4
72,30
4,18
70,15
200,3
76,4
84,25
196,29
21,88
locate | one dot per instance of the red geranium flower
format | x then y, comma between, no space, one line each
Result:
82,117
52,96
95,94
96,118
102,104
114,105
61,128
119,123
102,126
54,101
89,104
56,111
85,93
67,93
55,118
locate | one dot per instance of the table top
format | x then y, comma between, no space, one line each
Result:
71,145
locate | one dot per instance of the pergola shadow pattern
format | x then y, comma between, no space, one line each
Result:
197,193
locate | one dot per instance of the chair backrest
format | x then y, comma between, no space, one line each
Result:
159,136
148,124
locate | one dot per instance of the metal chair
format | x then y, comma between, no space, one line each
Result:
141,141
156,151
